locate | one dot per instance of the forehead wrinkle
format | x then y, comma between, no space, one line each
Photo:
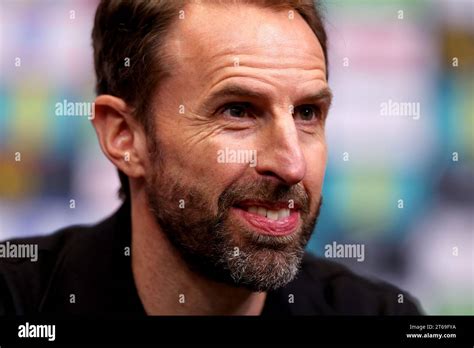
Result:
272,77
262,68
307,62
253,56
267,72
285,55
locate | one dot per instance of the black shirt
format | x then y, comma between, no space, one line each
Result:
86,270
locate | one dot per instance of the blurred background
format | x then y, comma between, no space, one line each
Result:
401,184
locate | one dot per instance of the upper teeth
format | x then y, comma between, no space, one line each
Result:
268,213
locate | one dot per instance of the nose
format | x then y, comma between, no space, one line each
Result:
280,155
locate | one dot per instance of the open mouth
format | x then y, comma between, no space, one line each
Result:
270,218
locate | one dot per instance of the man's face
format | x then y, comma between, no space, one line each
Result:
236,180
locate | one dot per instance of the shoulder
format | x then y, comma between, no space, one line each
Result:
327,287
26,279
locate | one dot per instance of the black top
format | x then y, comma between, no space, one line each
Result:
88,266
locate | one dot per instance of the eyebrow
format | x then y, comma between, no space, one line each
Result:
233,90
323,94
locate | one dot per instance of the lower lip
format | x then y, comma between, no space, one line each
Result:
280,227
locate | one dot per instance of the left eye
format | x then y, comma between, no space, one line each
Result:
307,112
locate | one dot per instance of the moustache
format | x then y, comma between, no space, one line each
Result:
267,191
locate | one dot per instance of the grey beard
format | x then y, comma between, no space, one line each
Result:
209,247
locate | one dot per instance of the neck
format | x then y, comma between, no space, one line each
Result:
166,285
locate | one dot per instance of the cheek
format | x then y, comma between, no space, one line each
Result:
197,163
316,158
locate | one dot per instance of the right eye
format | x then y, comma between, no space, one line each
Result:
236,110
